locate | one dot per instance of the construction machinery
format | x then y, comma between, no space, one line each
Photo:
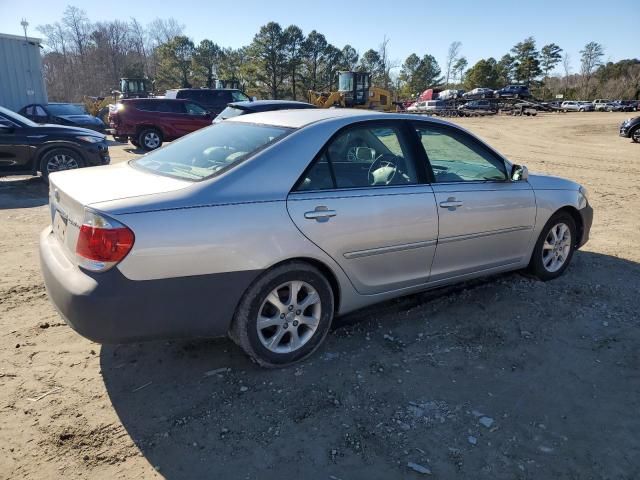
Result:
354,91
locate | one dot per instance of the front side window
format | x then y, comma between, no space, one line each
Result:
210,151
362,157
456,157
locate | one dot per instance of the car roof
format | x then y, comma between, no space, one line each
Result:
302,117
202,89
157,99
260,105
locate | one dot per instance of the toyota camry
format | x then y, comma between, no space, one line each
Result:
265,227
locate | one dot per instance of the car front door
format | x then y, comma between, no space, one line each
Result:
15,152
365,201
485,219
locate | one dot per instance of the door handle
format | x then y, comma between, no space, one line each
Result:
451,203
320,214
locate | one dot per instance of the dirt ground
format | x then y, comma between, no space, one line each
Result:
504,378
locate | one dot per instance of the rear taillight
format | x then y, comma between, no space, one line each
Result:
102,242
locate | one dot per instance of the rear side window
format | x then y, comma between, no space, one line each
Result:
146,106
230,112
210,151
239,97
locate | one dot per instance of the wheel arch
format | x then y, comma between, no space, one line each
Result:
39,156
324,269
577,218
145,126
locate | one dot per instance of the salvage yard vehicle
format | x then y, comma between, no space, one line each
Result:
573,106
62,114
478,93
600,104
513,91
266,226
27,148
215,100
354,91
485,105
147,122
242,108
630,128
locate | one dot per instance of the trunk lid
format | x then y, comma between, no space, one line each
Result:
73,190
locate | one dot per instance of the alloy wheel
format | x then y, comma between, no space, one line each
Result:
556,247
60,162
151,140
289,316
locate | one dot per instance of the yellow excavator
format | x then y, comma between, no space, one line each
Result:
354,91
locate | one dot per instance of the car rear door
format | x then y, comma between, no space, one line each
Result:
380,226
485,219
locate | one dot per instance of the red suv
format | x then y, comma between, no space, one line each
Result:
147,122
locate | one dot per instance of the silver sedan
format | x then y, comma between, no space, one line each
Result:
264,227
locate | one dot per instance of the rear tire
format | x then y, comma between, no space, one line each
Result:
554,249
274,325
59,159
150,139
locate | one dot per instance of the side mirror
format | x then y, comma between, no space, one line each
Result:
519,173
365,154
254,98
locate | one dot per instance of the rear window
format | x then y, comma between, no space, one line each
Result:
230,112
210,151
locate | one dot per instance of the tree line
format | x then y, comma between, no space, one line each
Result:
84,58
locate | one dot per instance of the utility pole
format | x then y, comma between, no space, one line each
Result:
24,24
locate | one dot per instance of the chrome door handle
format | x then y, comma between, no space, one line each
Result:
320,214
451,203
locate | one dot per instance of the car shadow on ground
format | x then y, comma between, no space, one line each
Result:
23,192
401,382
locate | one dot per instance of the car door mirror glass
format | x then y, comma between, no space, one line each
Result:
519,173
365,154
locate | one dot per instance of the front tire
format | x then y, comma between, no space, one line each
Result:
284,316
635,135
555,246
150,139
58,160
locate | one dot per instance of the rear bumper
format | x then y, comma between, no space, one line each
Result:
586,214
109,308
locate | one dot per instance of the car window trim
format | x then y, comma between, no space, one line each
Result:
403,136
469,137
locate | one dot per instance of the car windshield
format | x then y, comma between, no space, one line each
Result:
16,117
66,109
230,112
210,151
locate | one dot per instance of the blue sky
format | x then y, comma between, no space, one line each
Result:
487,28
